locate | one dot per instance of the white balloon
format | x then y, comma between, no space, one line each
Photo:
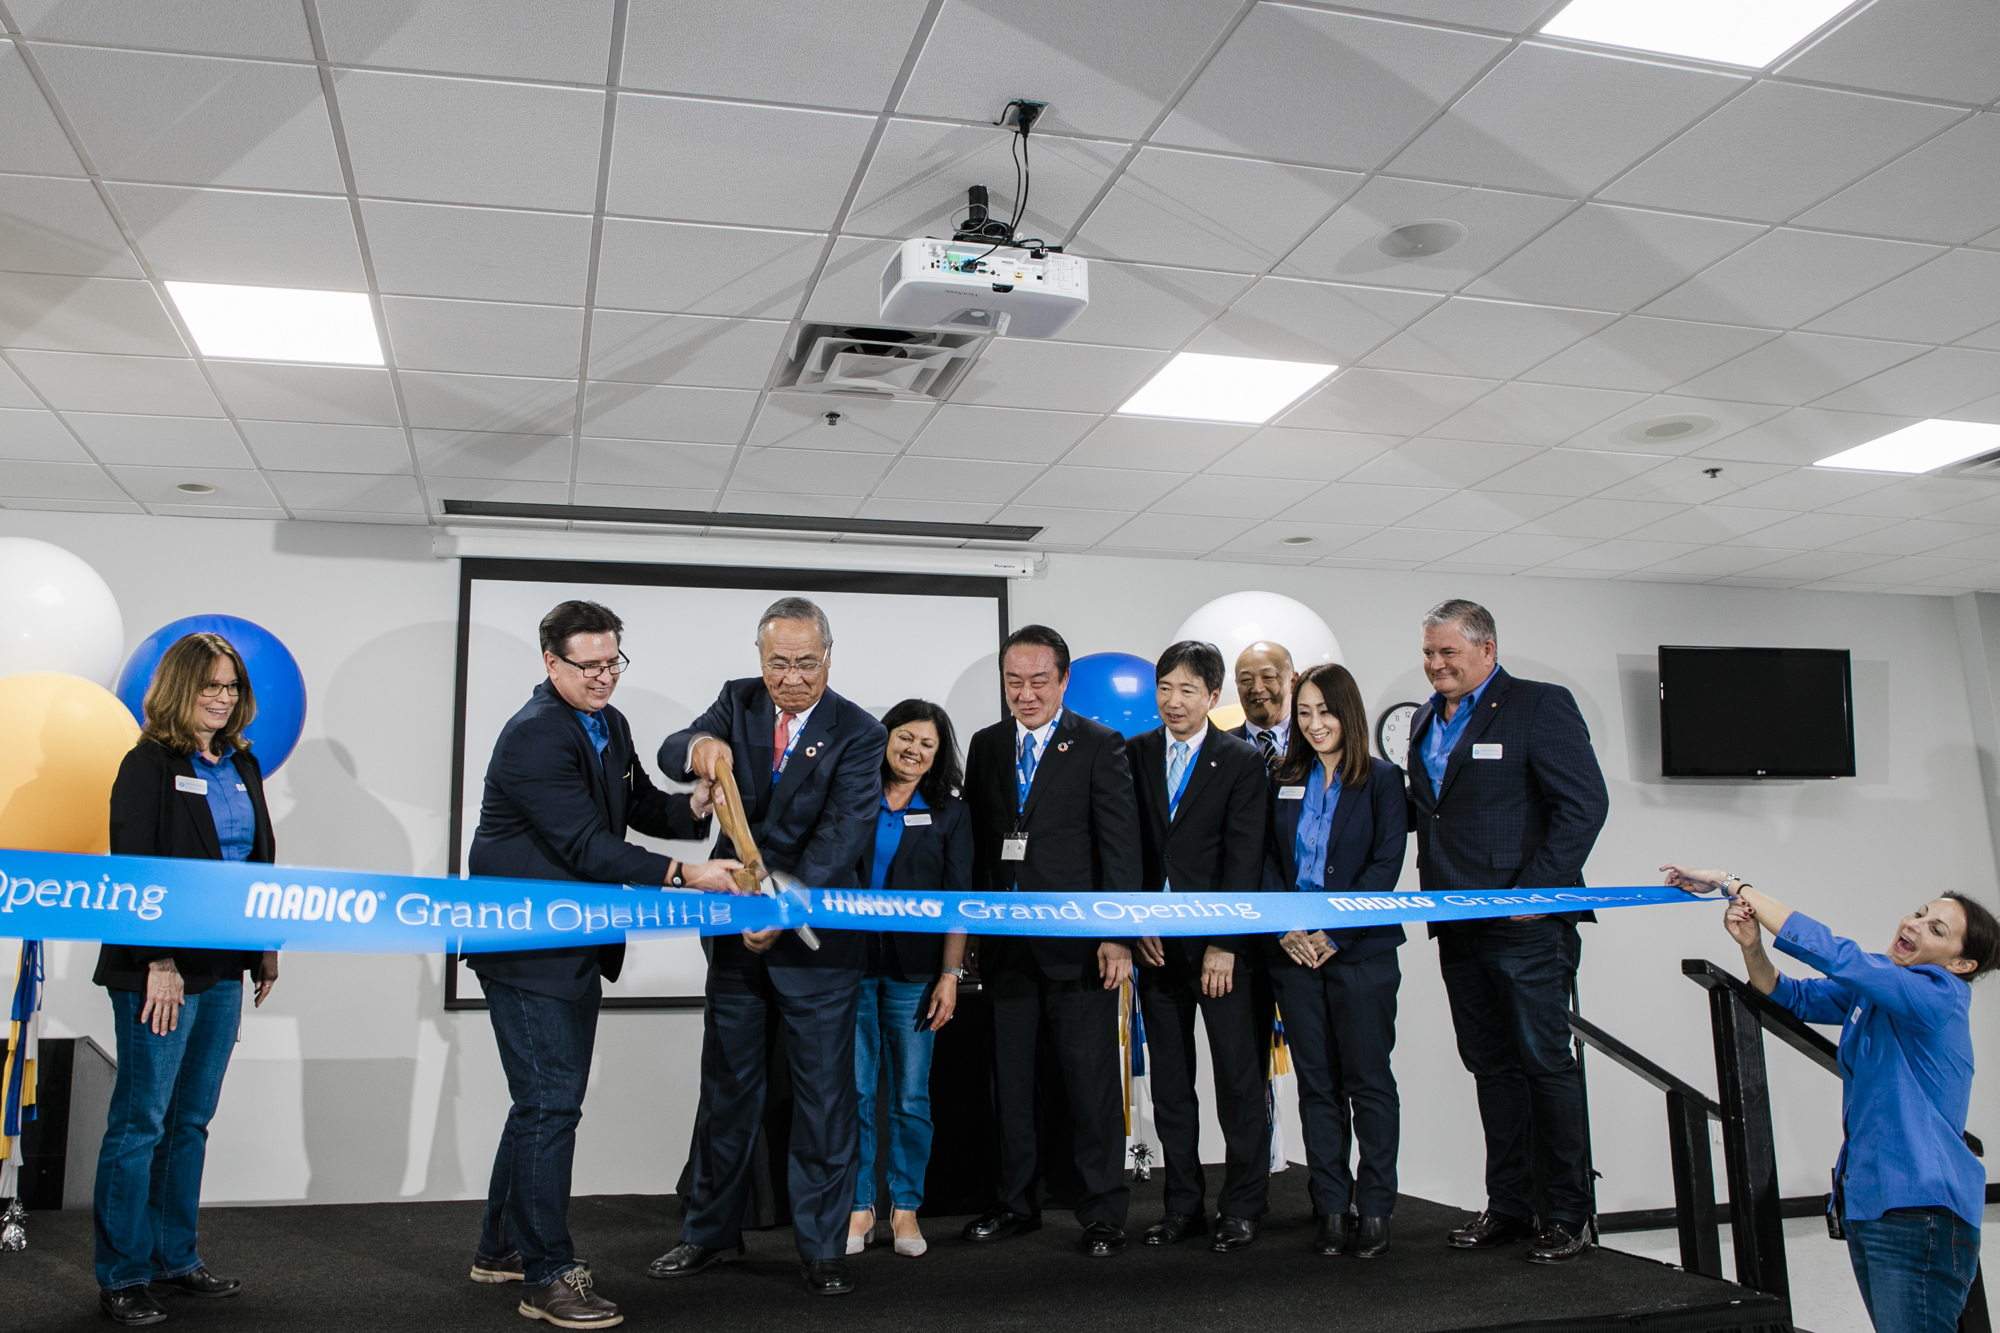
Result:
56,614
1235,622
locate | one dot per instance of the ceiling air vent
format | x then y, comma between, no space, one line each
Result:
1980,467
919,365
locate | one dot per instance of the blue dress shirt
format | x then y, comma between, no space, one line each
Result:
1315,828
229,805
1443,736
595,727
888,837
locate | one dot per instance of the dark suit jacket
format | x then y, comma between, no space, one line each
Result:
930,858
1081,819
1215,841
1525,820
812,823
150,818
1364,854
554,809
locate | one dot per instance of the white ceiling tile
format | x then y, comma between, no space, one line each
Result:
1686,481
1358,562
1008,435
1646,355
1812,532
972,481
1911,569
705,270
310,446
686,467
840,55
1500,339
1288,319
687,160
1236,497
192,120
866,425
59,313
35,435
1570,472
1980,542
1728,417
1777,149
52,224
34,140
1347,246
1497,15
237,236
1805,488
1418,544
1811,565
917,176
1339,90
644,497
56,481
465,141
1145,305
1155,442
667,412
1919,497
216,27
1062,377
482,253
88,383
1939,303
343,395
177,509
1176,532
1796,368
505,403
484,336
1104,66
1355,505
1931,385
1619,556
1521,413
1787,276
564,41
1945,190
1210,212
1563,121
1269,538
1074,528
1803,436
14,391
76,506
1524,549
1439,463
1613,258
235,488
1933,48
1598,518
1099,488
167,441
1385,402
1478,511
1276,453
349,492
1715,561
926,511
486,488
808,472
496,454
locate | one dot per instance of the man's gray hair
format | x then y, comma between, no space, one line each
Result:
796,608
1474,621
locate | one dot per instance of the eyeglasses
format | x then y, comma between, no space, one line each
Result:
593,670
805,668
213,691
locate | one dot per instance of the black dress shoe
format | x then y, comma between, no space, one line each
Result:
1558,1243
1335,1230
1371,1238
1174,1228
685,1260
1233,1233
827,1277
131,1306
1101,1240
1489,1231
201,1282
1001,1225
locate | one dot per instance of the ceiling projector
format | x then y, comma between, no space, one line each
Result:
980,287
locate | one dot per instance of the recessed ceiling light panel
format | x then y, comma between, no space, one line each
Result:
1729,32
1919,448
1245,389
279,323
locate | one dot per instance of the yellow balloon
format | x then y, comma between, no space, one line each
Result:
61,741
1228,717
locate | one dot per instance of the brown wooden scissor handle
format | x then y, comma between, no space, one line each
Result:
729,810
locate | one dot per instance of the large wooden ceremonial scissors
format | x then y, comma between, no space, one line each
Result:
753,876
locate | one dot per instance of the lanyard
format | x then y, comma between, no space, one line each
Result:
798,730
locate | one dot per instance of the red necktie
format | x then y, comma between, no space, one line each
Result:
780,739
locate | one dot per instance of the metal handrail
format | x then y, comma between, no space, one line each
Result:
1598,1039
1773,1017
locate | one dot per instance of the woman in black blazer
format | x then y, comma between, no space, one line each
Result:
922,844
190,788
1337,826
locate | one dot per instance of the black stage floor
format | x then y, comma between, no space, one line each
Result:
403,1266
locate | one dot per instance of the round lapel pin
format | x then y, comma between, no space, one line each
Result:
811,750
1063,748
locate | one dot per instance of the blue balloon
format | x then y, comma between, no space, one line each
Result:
274,677
1116,689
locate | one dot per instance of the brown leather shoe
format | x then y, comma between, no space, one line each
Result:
570,1302
491,1271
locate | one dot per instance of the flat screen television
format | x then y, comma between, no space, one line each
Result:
1756,713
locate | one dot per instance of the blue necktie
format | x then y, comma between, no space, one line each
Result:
1024,766
1177,763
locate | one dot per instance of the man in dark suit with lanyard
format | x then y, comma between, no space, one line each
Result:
809,765
1202,797
1264,677
1052,811
562,787
1505,793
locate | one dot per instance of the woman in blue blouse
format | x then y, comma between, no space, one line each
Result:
1338,826
1908,1193
922,844
189,788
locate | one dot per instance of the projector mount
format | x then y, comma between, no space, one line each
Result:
979,225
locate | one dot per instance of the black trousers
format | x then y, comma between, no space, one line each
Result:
1083,1023
1239,1040
1340,1023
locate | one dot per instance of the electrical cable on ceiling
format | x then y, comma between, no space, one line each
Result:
977,225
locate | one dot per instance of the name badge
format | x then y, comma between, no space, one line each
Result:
1014,849
199,786
1291,793
241,787
919,820
1486,751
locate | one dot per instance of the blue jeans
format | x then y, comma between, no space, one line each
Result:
156,1136
886,1026
545,1047
1914,1267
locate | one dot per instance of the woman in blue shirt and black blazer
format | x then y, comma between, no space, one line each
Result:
1908,1193
1337,826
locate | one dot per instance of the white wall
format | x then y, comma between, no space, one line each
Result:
354,1085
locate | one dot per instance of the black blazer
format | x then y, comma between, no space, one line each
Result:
1081,819
150,818
1526,819
555,809
930,858
1364,854
1214,842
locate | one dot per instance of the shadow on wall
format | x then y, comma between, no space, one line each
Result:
355,1112
334,820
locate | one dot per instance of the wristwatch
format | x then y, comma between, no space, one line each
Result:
677,880
958,972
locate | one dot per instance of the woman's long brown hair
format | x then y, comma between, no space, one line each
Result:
177,685
1343,697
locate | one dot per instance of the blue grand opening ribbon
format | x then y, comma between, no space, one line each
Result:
151,901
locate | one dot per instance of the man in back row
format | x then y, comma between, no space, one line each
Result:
1264,676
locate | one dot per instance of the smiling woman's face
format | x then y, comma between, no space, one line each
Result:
1934,934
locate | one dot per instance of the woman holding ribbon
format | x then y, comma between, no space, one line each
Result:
1338,826
190,788
1907,1192
922,844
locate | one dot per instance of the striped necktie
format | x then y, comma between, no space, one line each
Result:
1269,748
